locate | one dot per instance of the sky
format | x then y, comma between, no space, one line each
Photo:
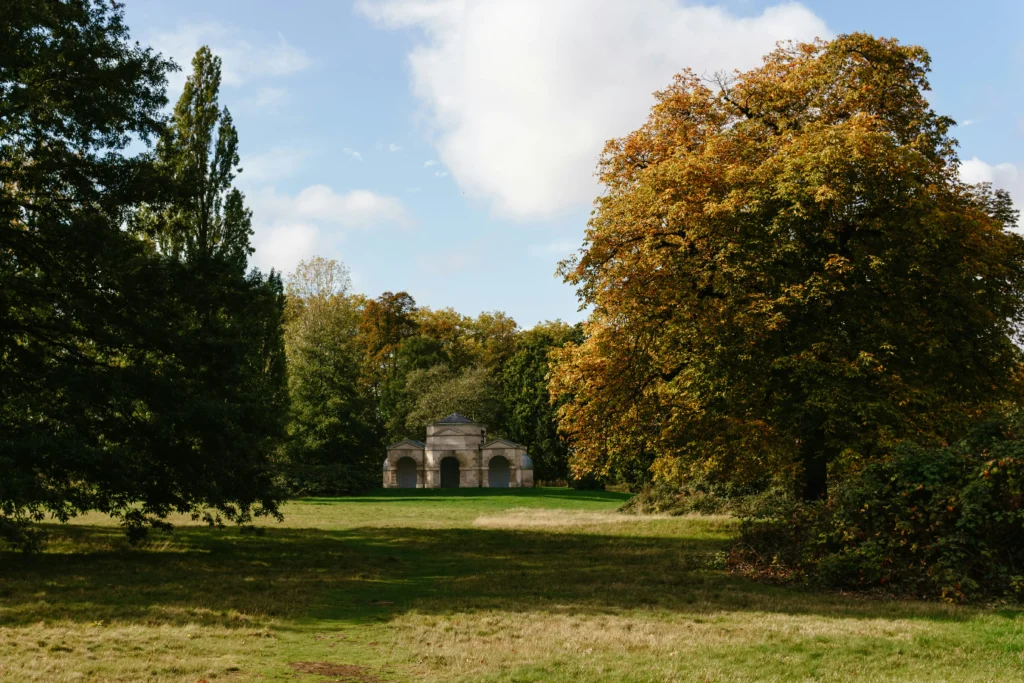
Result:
447,147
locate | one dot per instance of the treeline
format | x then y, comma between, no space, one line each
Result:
364,373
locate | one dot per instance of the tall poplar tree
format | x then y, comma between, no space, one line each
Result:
230,351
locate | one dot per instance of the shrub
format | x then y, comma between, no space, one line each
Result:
588,482
699,495
942,522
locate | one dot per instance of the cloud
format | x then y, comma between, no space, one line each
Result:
278,162
289,228
1005,176
245,57
441,174
429,163
522,95
393,147
282,246
968,122
354,154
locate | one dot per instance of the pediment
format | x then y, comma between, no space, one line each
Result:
450,432
500,443
407,444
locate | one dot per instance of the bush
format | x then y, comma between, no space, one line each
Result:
661,499
941,522
698,495
587,482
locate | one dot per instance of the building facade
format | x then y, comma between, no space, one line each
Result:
457,454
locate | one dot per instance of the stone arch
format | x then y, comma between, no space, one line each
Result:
407,472
450,474
499,472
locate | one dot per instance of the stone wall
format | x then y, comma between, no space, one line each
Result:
466,442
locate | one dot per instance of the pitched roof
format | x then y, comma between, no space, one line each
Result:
455,418
414,442
503,442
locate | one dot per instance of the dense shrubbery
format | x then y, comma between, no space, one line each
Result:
936,522
698,495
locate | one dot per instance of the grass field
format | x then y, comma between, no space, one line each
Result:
533,585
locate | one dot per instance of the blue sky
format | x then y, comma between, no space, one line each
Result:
447,147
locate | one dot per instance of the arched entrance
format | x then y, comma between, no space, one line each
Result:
406,473
450,473
498,475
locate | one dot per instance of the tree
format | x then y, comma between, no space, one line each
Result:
334,444
104,403
787,276
229,413
530,413
387,322
77,294
440,391
206,218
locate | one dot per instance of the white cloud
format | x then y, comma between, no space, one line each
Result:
1005,176
354,154
289,228
393,147
278,162
967,122
244,57
441,174
283,246
429,163
523,95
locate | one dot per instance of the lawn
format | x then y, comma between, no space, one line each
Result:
532,585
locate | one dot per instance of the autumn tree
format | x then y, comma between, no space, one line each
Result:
786,275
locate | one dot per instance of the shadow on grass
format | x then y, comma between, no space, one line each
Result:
537,494
370,574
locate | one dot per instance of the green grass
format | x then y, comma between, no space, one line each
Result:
533,585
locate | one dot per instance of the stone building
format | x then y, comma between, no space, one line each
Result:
457,455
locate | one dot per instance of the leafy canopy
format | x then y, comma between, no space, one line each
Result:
786,269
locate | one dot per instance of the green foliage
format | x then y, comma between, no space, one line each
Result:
530,413
205,217
439,391
943,522
334,441
698,495
131,381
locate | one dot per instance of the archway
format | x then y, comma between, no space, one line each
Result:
450,473
406,473
498,475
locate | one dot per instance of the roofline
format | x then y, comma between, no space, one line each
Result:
414,442
505,441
